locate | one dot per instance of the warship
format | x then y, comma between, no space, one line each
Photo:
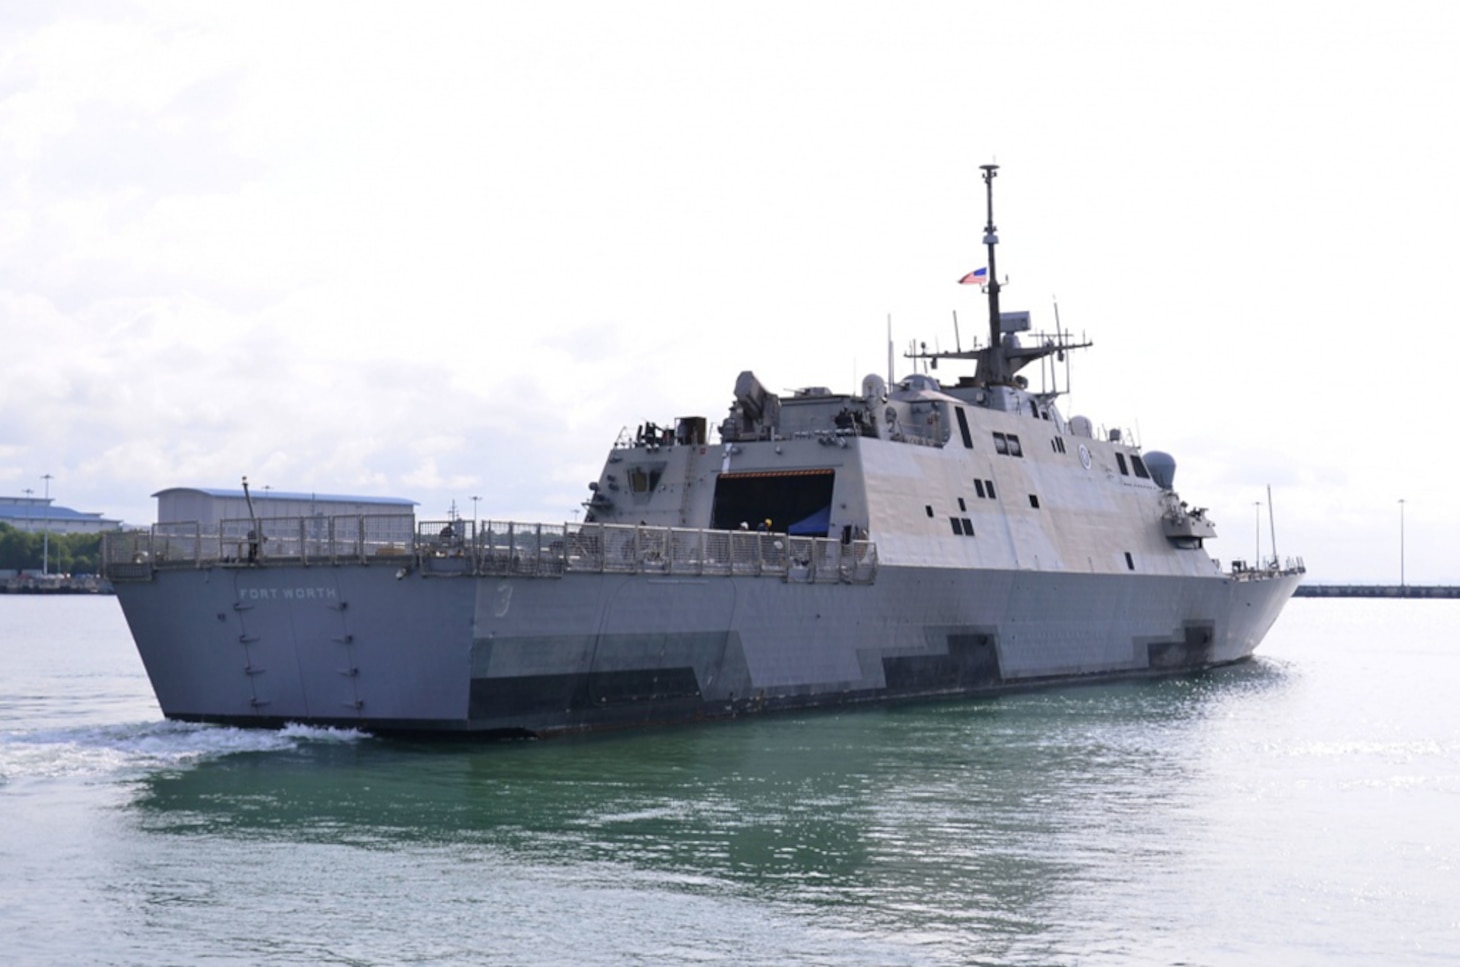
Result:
912,540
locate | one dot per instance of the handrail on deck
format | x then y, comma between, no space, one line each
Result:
459,547
1269,568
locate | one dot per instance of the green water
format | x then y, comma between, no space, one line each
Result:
1298,808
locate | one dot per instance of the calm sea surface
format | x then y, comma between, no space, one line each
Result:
1301,808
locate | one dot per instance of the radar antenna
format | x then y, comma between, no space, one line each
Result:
998,370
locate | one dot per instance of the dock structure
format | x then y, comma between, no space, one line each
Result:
1377,591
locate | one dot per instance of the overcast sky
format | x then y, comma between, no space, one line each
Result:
446,250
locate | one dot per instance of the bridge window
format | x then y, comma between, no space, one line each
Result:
963,427
1139,466
1008,443
1120,462
642,481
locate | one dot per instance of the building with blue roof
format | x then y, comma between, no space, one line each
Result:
42,514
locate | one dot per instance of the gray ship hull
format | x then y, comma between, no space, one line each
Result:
388,650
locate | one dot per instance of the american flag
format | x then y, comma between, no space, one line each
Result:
976,277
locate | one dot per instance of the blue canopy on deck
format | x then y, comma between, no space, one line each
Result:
817,523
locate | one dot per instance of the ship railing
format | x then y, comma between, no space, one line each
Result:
127,555
1267,569
512,549
467,547
904,433
356,538
490,547
529,550
133,555
630,549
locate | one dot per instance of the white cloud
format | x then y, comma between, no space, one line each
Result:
451,249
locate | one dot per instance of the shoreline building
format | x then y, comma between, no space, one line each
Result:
39,514
209,506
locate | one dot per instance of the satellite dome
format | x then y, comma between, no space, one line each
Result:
1162,467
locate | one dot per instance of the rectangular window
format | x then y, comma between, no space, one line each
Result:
988,485
967,527
1034,501
961,504
957,525
1120,462
1129,562
963,427
978,487
1139,466
1001,444
929,509
1015,450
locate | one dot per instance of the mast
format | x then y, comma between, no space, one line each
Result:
998,361
998,369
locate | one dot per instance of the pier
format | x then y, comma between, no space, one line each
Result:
33,583
1377,591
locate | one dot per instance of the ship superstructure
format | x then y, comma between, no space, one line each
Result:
910,539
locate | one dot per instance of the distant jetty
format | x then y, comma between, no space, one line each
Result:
1377,591
31,583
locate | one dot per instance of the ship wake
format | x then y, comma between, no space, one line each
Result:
145,747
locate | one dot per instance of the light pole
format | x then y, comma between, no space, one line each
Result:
1401,545
474,500
46,529
1257,533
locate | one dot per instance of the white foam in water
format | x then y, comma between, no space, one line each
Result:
102,750
313,733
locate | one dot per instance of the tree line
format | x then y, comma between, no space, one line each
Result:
68,553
